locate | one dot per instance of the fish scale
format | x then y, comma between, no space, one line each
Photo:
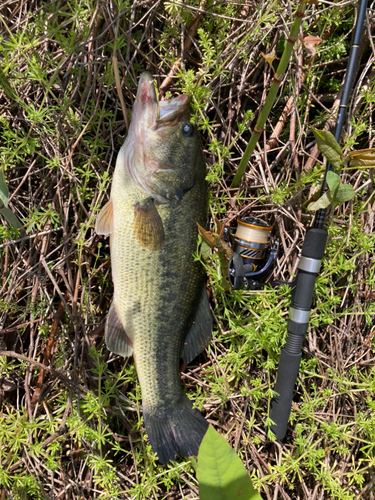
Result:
160,307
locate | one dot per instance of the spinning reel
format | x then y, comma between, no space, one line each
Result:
251,242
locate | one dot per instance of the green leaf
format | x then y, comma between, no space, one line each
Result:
4,192
10,217
5,85
333,181
221,474
205,251
329,147
345,193
336,194
339,192
323,202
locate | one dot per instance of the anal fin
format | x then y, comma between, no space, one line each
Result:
200,331
116,338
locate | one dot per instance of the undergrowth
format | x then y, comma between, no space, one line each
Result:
70,412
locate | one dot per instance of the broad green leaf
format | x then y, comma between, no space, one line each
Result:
328,138
323,202
336,194
328,146
4,192
221,474
344,193
339,192
333,181
205,251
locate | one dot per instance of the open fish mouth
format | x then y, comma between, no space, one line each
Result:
158,113
169,110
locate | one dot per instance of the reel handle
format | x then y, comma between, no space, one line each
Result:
237,271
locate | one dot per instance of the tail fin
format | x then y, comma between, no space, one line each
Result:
177,432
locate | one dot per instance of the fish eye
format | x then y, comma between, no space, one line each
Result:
187,129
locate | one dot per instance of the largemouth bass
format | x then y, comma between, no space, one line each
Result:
160,309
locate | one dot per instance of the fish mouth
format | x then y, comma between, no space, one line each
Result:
169,111
156,114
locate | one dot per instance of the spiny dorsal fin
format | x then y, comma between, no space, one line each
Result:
104,221
116,338
148,226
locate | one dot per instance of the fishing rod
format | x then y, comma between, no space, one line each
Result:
249,265
308,269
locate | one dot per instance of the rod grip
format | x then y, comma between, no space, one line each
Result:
290,357
315,243
281,404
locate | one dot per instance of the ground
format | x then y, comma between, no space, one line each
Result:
70,415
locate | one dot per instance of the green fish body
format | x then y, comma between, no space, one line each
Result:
160,308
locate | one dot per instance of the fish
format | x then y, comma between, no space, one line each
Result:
160,310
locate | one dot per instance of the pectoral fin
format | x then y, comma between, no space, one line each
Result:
116,338
200,332
104,221
148,226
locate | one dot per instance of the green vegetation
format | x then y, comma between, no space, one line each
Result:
220,473
70,412
337,192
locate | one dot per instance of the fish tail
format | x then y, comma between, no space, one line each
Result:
178,431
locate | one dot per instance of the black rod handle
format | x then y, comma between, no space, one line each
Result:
284,387
299,314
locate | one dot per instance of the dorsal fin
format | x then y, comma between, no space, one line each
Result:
200,332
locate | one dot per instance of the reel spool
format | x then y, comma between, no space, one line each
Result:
251,242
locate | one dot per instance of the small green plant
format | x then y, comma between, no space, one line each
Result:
337,192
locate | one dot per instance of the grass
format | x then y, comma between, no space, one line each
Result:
70,412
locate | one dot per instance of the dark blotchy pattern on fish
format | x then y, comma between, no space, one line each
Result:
171,423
